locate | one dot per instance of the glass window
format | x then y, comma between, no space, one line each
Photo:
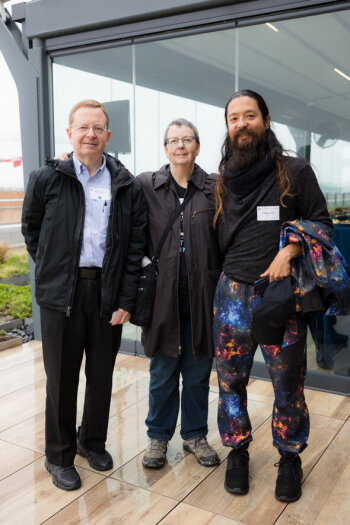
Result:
300,66
183,77
105,76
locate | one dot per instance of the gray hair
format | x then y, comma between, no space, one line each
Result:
182,123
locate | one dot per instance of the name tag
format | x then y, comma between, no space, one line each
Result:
100,194
268,213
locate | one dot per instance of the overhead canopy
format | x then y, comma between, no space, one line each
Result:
293,68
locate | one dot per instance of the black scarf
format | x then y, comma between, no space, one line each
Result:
243,182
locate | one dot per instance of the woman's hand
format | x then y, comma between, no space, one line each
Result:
280,266
120,317
62,156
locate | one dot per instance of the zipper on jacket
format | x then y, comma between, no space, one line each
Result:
189,286
201,211
80,238
177,273
106,263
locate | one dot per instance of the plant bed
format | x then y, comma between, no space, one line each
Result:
17,280
7,323
15,301
15,265
9,340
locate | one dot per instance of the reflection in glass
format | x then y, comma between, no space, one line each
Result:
292,64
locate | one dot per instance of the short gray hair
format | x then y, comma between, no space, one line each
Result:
182,123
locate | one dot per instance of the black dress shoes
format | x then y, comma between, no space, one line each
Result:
65,478
97,460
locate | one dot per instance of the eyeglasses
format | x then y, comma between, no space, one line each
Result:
174,141
85,129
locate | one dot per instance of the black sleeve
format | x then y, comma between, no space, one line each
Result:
136,249
312,203
32,213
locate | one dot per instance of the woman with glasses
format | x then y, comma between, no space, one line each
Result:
179,339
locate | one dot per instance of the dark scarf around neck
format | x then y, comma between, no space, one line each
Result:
243,182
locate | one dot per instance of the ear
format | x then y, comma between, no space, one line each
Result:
198,149
109,133
267,122
69,133
166,152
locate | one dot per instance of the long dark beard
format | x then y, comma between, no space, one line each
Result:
242,157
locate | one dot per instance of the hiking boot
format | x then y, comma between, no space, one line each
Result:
155,454
237,471
290,474
204,452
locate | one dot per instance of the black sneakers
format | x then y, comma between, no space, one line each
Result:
237,471
65,478
290,474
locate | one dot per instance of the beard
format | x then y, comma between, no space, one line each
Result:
243,156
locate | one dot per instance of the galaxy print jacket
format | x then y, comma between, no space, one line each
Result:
321,266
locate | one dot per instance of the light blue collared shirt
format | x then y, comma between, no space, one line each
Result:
97,190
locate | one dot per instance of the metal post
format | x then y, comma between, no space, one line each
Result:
27,67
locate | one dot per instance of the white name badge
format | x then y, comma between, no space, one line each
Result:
100,194
268,213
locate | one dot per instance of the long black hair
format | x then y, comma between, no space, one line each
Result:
273,146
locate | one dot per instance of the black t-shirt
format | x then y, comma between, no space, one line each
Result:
250,241
183,276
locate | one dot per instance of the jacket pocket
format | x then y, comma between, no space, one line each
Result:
204,210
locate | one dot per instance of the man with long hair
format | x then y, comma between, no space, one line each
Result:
260,188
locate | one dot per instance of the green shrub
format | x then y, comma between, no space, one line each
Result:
15,301
16,264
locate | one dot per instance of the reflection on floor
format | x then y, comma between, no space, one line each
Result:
182,492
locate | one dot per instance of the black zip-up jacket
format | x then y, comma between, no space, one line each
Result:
52,225
203,258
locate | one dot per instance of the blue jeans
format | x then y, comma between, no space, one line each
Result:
164,395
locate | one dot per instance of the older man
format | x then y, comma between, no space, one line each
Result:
84,222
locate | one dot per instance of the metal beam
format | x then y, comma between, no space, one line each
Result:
30,75
49,18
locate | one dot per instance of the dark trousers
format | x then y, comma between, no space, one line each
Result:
164,395
235,348
64,340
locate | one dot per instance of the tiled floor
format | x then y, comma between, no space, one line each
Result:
182,492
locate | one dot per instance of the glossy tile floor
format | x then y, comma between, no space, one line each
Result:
182,492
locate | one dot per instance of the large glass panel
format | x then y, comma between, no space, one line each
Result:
302,69
105,76
189,77
300,66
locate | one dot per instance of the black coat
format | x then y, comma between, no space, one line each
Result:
202,257
52,226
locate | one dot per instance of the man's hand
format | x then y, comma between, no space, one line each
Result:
280,266
62,156
120,317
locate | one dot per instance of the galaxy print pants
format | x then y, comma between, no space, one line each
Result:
235,348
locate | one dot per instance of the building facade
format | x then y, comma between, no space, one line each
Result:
151,62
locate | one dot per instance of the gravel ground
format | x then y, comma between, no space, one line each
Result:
26,332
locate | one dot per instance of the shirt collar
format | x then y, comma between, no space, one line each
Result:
79,166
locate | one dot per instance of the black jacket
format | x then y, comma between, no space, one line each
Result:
202,256
52,226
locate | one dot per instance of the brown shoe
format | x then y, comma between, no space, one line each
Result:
155,454
204,452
